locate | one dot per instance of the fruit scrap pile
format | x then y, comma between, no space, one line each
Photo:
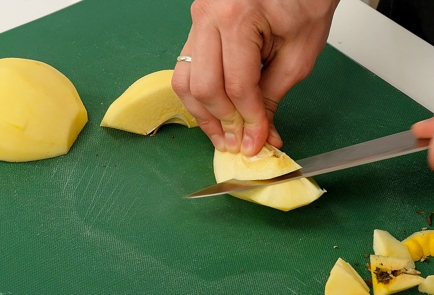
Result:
392,267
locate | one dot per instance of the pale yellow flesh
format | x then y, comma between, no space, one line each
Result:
387,245
420,244
41,113
269,163
398,283
344,280
146,105
427,286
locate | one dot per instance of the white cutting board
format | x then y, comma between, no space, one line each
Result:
14,13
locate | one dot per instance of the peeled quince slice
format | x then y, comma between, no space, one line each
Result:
387,245
427,286
390,275
344,280
420,244
268,163
41,113
146,105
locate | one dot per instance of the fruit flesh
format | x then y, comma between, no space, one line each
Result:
146,105
420,244
390,276
387,245
41,113
268,164
344,280
427,286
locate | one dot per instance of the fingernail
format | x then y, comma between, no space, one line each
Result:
247,144
218,142
231,142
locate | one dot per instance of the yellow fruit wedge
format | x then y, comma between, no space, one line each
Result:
344,280
427,286
389,275
387,245
420,244
146,105
268,163
41,113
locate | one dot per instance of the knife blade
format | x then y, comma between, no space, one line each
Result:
359,154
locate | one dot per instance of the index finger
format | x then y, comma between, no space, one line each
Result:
241,51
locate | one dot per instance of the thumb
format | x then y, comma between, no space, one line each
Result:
288,67
278,76
424,129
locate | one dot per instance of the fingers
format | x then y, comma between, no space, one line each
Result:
207,82
223,84
431,154
291,64
242,69
424,129
284,70
181,85
273,136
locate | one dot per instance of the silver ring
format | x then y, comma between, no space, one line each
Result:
183,58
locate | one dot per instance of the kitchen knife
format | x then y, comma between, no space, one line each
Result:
363,153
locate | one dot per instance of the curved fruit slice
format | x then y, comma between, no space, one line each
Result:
146,105
344,280
389,275
420,244
427,286
269,163
41,113
387,245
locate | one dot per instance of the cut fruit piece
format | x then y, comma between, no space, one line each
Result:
146,105
420,244
427,286
269,163
389,275
387,245
41,113
344,280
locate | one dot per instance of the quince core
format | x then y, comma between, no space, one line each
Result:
390,275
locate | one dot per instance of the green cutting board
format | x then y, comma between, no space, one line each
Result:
109,217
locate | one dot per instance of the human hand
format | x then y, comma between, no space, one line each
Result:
425,129
224,87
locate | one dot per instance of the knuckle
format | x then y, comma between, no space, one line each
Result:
298,71
201,91
234,15
229,10
304,66
235,90
232,122
305,69
199,9
180,85
204,122
270,105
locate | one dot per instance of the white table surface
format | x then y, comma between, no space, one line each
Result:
359,31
